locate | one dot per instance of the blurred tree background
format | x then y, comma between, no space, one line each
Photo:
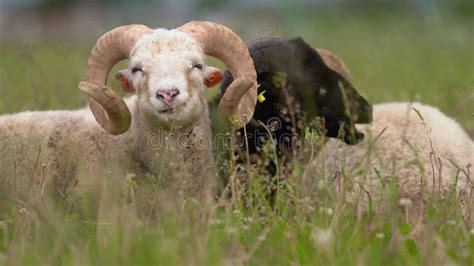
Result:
68,13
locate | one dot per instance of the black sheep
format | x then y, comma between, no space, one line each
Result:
298,88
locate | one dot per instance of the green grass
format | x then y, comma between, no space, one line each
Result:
391,59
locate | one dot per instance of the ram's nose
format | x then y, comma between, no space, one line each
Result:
167,96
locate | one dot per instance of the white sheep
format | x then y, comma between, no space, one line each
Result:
414,146
411,143
160,136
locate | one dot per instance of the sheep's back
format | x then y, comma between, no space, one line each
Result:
400,148
51,148
29,143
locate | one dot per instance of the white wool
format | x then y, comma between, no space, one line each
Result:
401,153
166,41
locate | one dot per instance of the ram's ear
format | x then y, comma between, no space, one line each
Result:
212,76
123,76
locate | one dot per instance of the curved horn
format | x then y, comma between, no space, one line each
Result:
335,63
221,42
108,108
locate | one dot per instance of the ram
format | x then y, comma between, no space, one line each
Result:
160,134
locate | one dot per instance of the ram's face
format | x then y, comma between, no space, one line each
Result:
167,70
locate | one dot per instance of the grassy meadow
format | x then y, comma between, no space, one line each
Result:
392,58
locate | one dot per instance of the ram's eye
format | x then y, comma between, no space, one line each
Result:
136,69
198,66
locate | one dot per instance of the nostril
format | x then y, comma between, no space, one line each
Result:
167,96
173,93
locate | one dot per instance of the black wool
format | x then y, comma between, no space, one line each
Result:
299,88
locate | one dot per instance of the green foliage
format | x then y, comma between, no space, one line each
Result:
391,59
